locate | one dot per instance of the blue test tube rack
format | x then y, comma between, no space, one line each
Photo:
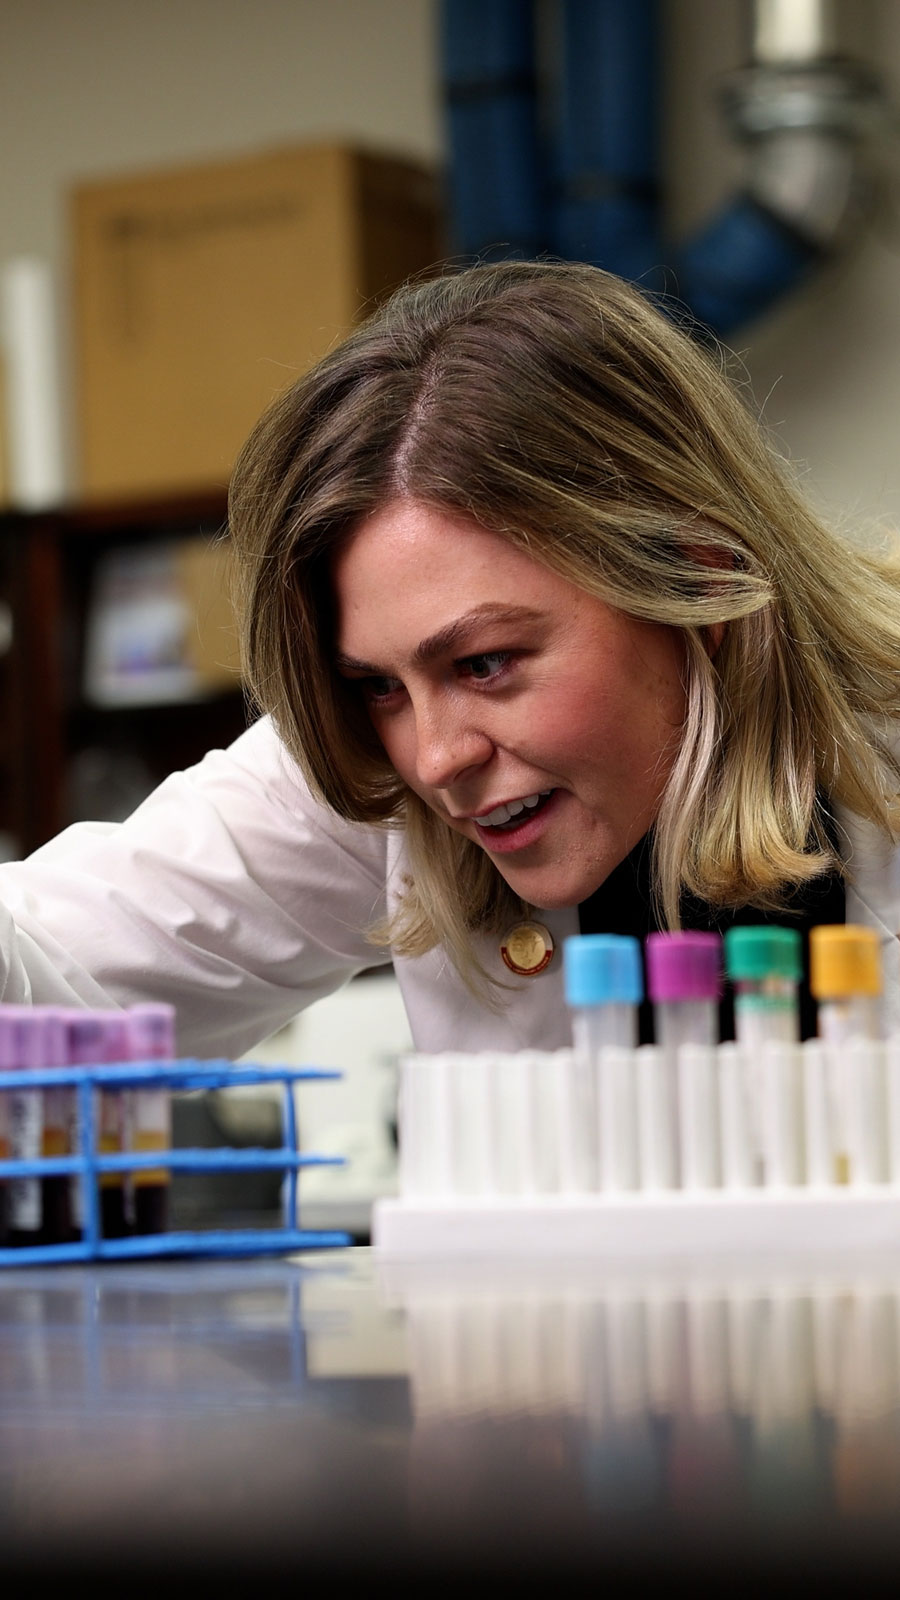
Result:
89,1164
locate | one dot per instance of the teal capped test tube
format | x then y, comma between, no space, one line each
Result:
765,966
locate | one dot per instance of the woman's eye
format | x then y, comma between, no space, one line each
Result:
375,689
487,665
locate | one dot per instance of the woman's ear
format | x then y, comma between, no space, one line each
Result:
719,558
713,634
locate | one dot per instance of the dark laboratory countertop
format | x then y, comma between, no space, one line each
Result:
328,1417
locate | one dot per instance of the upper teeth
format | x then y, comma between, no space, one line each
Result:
503,813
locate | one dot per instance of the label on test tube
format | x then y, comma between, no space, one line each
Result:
845,979
765,965
604,985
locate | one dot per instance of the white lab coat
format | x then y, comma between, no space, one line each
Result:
232,894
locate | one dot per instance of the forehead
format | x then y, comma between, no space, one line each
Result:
413,583
429,551
427,560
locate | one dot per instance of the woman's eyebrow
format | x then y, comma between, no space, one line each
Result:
449,638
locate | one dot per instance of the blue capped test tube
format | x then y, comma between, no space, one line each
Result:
604,985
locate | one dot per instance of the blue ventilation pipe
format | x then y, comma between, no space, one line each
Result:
740,263
599,165
496,187
605,180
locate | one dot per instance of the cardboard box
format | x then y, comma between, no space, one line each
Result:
201,293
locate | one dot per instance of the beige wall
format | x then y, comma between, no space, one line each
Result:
94,86
89,87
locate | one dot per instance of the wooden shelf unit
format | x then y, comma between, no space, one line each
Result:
47,561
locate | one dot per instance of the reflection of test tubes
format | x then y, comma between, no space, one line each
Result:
845,979
765,965
604,986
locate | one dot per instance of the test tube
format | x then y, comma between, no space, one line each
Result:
845,979
115,1044
56,1136
4,1156
684,982
21,1049
85,1044
151,1031
604,986
765,965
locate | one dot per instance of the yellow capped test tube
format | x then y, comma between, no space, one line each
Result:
845,979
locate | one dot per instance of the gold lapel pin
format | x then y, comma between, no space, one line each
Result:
527,949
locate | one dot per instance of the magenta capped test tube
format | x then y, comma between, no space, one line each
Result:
684,982
60,1130
151,1030
21,1048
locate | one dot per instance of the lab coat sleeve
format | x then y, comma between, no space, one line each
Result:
230,893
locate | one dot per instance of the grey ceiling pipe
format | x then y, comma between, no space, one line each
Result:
803,113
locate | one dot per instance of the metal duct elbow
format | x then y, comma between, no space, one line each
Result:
804,115
804,125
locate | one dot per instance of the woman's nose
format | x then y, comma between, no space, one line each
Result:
447,748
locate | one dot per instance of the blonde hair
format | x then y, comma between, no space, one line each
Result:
558,407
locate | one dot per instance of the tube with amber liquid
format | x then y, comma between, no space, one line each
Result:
151,1033
115,1220
59,1123
846,981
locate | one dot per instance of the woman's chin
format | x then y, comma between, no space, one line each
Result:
546,890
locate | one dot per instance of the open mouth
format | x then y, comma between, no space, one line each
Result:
506,818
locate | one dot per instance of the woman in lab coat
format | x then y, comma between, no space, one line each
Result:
543,637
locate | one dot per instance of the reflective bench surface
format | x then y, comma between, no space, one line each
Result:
331,1415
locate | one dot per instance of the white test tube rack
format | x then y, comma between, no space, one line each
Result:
646,1155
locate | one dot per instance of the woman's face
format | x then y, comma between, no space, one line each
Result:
536,720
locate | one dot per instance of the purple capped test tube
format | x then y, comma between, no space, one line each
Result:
22,1048
115,1198
684,982
151,1031
678,1117
59,1123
